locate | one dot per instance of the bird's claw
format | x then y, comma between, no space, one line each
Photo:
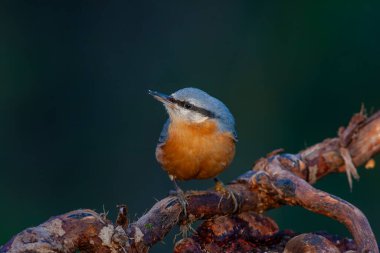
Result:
181,199
179,194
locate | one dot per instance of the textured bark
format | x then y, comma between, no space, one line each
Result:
278,179
251,232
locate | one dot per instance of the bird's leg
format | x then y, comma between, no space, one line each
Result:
184,228
180,195
220,187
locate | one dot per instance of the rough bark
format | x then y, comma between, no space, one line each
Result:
257,233
278,179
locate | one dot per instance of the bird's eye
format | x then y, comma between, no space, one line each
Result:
187,105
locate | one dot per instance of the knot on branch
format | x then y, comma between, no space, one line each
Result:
235,233
311,243
251,232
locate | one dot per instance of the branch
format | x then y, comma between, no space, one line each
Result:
257,233
279,179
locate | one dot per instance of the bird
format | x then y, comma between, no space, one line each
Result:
197,140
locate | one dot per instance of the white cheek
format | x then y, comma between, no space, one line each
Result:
184,114
198,118
193,116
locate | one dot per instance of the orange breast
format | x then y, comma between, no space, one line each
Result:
195,151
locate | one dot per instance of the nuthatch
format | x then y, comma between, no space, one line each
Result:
198,140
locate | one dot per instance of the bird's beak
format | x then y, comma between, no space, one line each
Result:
160,97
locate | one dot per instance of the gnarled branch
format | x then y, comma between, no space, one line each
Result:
279,179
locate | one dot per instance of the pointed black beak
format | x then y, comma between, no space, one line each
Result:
160,96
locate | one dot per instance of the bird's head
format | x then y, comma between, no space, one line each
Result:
196,106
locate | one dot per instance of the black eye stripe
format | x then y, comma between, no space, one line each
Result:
189,106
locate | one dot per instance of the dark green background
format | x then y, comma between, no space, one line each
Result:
78,130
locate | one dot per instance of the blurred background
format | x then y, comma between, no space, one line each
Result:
78,129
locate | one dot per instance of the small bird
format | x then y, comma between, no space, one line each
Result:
198,140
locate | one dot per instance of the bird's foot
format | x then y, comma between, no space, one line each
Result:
220,187
178,192
182,200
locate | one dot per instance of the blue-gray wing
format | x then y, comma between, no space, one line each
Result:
164,132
